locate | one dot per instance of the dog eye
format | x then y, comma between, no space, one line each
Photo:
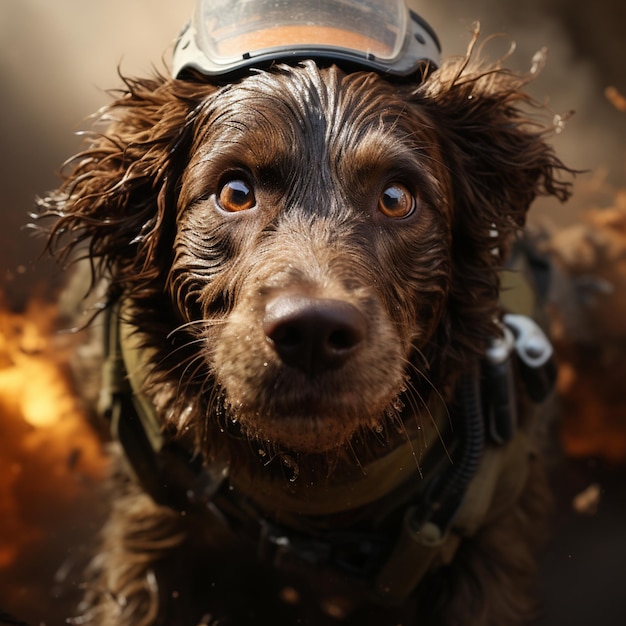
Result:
396,201
236,195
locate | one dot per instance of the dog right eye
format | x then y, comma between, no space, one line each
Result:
396,201
236,195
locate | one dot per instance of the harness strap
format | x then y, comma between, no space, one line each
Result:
427,541
166,470
496,486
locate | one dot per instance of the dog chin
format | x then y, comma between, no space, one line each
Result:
312,430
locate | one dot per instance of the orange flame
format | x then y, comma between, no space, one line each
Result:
48,452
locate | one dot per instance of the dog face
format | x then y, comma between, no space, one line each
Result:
312,245
310,253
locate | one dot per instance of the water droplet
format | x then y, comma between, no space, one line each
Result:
293,466
398,405
378,428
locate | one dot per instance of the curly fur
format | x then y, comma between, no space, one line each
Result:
318,146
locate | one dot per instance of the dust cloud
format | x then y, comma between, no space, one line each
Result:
57,61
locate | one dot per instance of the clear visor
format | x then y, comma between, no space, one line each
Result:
228,30
227,35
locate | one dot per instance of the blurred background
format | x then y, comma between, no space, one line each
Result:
57,61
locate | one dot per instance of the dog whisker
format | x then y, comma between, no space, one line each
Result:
426,379
420,405
409,441
394,415
196,361
355,456
181,348
202,323
174,368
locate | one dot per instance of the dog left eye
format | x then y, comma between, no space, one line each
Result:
396,201
236,195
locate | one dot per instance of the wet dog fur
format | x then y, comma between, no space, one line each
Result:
218,212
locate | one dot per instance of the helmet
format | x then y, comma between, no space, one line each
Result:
226,37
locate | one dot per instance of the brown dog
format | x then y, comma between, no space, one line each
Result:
303,280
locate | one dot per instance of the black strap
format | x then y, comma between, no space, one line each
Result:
171,476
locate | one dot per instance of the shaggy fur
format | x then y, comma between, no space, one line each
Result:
207,208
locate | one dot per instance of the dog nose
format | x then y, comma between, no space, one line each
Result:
313,334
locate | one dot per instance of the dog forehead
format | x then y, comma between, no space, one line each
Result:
305,109
306,92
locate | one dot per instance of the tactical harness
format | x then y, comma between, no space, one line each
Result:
436,504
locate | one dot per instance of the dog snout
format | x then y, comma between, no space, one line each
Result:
313,334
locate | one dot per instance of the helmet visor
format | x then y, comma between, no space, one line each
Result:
228,30
226,34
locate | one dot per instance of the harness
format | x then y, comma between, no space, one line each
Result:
431,510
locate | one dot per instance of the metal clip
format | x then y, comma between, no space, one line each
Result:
536,356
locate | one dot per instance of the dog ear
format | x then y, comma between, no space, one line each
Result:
498,161
497,154
117,201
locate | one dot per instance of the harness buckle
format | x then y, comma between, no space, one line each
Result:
420,545
536,356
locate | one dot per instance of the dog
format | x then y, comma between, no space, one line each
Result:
302,279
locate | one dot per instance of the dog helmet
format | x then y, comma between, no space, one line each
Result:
224,38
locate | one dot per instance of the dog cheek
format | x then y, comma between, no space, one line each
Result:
241,356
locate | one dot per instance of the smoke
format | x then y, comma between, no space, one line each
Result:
58,59
586,48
